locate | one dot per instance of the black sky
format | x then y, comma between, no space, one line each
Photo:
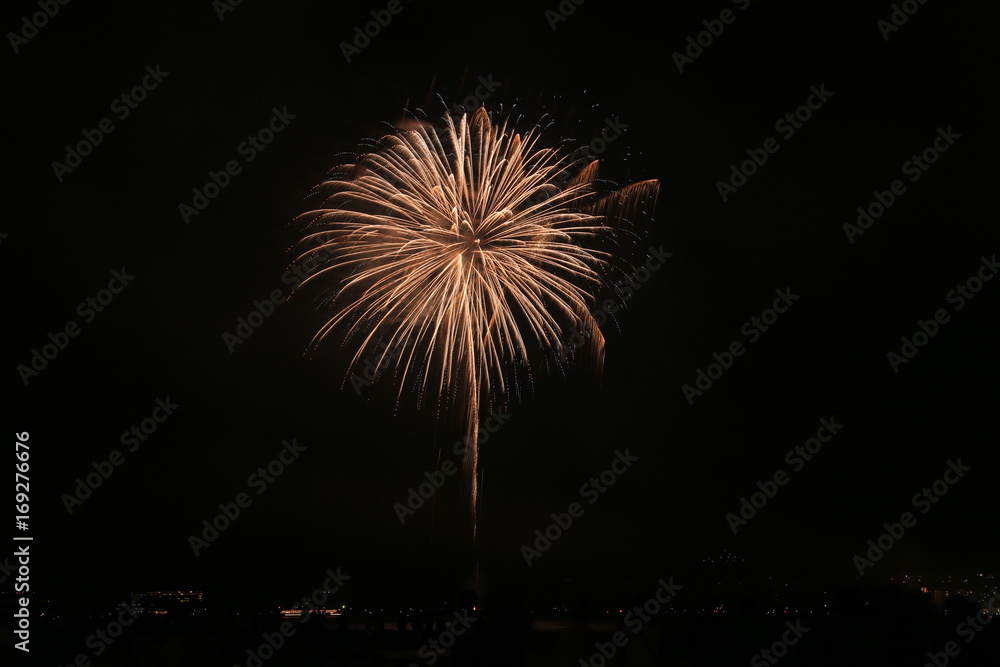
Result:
162,336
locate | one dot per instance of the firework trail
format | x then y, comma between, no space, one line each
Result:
462,252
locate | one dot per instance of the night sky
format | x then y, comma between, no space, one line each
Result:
825,358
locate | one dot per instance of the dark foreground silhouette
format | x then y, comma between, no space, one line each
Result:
887,626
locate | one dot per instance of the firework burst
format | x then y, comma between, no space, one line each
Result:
460,253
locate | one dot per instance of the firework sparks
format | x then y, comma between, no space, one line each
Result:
464,251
